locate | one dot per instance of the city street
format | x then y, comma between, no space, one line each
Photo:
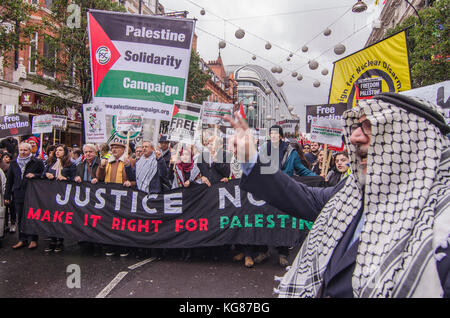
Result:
33,273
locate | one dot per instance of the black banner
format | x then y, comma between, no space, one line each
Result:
191,217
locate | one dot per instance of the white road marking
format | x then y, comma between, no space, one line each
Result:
145,261
120,276
111,285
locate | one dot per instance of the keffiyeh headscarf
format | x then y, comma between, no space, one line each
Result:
146,169
406,207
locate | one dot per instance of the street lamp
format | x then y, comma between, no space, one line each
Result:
360,6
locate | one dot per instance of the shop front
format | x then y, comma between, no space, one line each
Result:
33,103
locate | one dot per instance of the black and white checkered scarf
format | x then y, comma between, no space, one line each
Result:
406,206
146,168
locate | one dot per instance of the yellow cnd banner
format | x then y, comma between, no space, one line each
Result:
387,59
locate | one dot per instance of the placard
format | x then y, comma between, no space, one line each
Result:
15,125
183,125
94,123
139,62
213,113
129,122
42,124
327,131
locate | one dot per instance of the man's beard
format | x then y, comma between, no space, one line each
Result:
361,175
361,164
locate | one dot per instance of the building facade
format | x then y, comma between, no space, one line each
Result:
18,93
263,101
223,86
393,13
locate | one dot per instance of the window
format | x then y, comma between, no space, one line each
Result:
32,56
35,2
48,4
50,54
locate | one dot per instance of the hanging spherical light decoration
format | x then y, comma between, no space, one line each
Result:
339,49
251,108
304,49
239,33
274,69
291,108
291,54
277,107
268,46
254,57
300,77
280,83
268,117
279,69
222,44
325,71
313,64
202,11
288,59
267,91
316,83
294,74
327,32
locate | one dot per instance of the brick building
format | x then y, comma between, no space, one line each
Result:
223,86
18,93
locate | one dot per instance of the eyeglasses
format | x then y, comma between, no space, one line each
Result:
365,126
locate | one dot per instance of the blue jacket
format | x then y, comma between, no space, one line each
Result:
294,163
291,163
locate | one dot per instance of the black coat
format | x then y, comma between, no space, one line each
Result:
67,171
15,184
82,166
216,171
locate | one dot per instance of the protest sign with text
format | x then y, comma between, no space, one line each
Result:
184,122
14,125
327,131
213,113
42,124
94,123
139,62
182,218
129,122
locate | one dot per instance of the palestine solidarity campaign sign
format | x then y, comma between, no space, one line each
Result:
139,63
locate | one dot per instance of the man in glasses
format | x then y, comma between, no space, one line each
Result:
384,230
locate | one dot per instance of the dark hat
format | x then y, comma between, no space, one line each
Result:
277,128
163,138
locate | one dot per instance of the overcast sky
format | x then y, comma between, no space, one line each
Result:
288,25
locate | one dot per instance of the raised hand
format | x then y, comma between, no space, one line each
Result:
242,143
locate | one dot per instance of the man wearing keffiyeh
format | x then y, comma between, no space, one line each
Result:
382,232
150,169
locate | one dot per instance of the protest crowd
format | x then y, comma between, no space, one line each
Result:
152,168
358,205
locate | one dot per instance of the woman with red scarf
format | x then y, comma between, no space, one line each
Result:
185,171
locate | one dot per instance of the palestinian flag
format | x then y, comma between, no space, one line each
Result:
241,111
139,63
186,111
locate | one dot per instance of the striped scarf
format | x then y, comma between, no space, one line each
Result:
146,169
